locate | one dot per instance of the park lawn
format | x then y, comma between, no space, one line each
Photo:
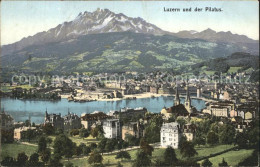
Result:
157,154
76,139
231,157
207,150
14,149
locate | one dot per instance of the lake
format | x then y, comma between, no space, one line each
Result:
22,109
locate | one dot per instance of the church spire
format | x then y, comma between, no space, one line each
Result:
188,101
188,95
46,113
177,98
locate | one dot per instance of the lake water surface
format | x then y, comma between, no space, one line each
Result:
22,109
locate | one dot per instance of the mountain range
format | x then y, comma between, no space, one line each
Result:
103,39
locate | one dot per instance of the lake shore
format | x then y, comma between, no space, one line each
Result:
152,95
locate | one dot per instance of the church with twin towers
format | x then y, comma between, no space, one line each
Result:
179,109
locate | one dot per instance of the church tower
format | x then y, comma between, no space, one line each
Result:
188,101
46,115
177,98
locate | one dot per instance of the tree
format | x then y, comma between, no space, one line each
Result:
146,147
252,160
110,145
94,132
45,155
22,159
55,160
187,149
170,156
8,161
83,133
241,140
202,127
102,144
86,150
78,150
226,134
48,141
212,138
63,146
29,134
152,130
42,144
223,163
206,163
48,129
253,136
125,144
34,160
119,145
132,140
215,127
142,159
199,140
93,146
183,139
123,155
97,131
95,158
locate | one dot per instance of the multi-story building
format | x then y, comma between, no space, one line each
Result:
112,128
71,121
220,109
87,120
170,134
133,128
54,119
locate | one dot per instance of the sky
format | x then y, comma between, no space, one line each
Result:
21,19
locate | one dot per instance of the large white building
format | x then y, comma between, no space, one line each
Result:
170,135
112,128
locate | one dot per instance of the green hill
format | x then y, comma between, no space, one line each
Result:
120,51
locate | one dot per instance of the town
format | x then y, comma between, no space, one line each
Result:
129,83
178,135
